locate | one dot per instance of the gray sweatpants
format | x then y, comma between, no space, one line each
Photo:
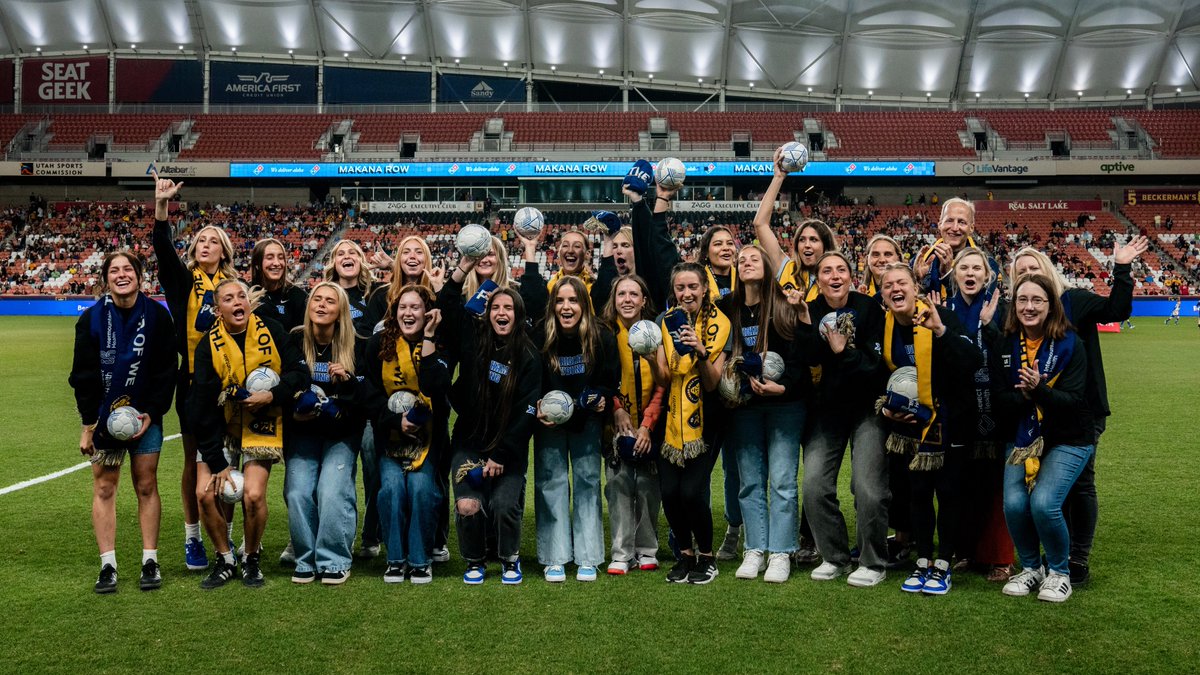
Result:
633,503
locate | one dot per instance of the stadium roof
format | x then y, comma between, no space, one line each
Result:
878,49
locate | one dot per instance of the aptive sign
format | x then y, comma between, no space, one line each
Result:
75,81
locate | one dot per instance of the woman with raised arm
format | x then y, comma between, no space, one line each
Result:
124,356
688,364
812,239
933,429
1085,310
247,425
283,300
632,487
189,289
404,357
1042,369
324,437
652,242
498,386
574,257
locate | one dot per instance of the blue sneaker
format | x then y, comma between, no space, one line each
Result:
937,582
915,583
555,574
512,572
194,554
585,573
475,573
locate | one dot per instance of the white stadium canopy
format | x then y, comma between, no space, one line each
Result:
883,50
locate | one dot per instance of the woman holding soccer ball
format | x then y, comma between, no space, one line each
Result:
249,424
124,356
189,289
495,395
401,359
325,432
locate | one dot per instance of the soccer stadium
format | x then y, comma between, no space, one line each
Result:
599,335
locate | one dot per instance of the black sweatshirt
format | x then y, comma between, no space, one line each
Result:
536,296
209,418
796,379
433,380
654,249
472,426
602,287
852,380
1088,309
176,281
349,395
604,375
359,311
161,361
286,305
1067,418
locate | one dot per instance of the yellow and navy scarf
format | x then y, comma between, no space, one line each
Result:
123,350
933,279
685,425
201,311
791,277
585,275
1052,358
400,374
257,435
637,383
926,448
715,292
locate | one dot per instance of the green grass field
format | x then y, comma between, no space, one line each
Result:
1138,614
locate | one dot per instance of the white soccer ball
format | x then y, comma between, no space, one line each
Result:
730,387
772,366
645,337
231,492
261,378
903,381
473,241
828,323
793,157
528,222
670,173
558,406
124,423
402,402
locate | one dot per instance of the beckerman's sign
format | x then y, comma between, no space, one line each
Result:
1182,196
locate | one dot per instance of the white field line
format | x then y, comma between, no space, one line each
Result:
57,474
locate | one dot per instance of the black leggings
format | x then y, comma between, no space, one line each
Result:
686,499
946,483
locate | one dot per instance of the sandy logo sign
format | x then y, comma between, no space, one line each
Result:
482,91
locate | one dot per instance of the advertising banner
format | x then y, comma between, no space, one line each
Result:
174,170
715,205
403,207
65,81
1068,167
1176,196
160,81
8,71
63,169
1072,206
366,85
475,89
234,83
590,169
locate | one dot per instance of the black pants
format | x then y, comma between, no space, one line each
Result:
501,507
1082,508
686,499
946,484
899,509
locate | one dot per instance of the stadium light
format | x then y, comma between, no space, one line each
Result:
404,57
1079,93
810,90
928,94
699,80
133,46
458,60
976,94
650,76
1026,94
290,52
601,71
39,49
234,49
85,48
751,85
1178,90
345,55
870,92
1128,92
553,68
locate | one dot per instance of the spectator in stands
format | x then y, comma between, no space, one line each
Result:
1085,310
283,300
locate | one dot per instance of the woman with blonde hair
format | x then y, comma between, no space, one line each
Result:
413,264
347,267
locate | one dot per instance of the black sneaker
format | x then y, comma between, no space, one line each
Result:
303,577
1080,573
151,576
395,573
420,575
681,569
899,554
252,575
335,578
704,571
221,573
107,581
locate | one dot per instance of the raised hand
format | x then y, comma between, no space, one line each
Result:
1123,255
165,189
380,260
989,308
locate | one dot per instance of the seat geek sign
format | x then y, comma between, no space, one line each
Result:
81,81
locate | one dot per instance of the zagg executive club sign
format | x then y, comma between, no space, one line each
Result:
77,81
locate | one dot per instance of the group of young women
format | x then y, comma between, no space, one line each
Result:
767,360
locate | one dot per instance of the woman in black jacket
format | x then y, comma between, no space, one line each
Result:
283,301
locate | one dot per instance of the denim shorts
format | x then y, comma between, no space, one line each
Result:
150,442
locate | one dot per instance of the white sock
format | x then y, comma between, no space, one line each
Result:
229,529
149,554
108,558
191,530
228,556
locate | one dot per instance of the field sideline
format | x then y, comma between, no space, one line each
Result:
1132,617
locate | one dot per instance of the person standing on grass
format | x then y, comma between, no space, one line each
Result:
189,289
1085,310
324,432
1174,312
247,425
404,357
1044,366
124,355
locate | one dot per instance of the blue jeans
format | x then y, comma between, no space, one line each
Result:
1036,517
560,458
371,533
322,503
408,504
765,439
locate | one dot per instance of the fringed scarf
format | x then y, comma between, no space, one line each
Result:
1052,357
637,382
585,275
926,448
257,435
123,346
685,425
985,425
400,374
791,277
201,311
715,292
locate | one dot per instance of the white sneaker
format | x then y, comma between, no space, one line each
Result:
752,564
865,577
618,567
288,557
779,568
1022,583
827,571
1055,588
441,555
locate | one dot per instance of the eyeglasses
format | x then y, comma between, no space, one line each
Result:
1032,302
